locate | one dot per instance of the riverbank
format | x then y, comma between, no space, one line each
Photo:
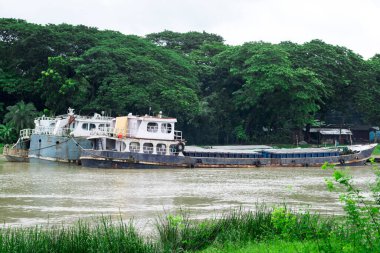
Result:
376,151
376,154
271,230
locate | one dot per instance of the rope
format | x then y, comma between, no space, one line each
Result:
77,143
49,146
59,143
18,141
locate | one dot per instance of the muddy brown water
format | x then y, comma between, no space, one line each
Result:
40,193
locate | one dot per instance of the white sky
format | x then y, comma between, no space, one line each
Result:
354,24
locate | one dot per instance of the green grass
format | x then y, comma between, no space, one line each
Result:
105,236
264,230
376,151
1,148
267,246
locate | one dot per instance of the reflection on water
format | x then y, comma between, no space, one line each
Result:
44,192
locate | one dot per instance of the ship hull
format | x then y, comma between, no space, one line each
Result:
125,160
16,158
57,148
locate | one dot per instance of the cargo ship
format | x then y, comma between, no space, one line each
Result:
152,142
57,138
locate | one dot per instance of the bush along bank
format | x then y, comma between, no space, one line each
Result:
272,229
376,151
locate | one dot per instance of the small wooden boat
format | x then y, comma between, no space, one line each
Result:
15,155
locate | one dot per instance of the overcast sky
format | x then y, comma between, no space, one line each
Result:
354,24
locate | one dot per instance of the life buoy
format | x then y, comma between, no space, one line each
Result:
180,147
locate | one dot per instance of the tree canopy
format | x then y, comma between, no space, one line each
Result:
255,92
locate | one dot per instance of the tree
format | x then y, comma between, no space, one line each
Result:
367,97
20,115
339,69
276,96
184,42
59,85
136,75
219,93
7,134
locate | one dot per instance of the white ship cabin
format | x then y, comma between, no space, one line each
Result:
140,134
69,124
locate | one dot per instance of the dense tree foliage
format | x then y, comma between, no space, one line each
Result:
20,115
255,92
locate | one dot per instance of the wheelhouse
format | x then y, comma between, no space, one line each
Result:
140,134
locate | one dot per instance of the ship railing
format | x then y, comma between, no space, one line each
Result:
44,130
45,118
161,151
63,131
26,133
134,149
51,131
148,150
123,133
113,132
5,150
97,117
178,135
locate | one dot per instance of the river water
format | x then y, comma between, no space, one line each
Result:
55,193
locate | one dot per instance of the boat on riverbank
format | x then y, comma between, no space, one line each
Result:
57,138
152,142
13,154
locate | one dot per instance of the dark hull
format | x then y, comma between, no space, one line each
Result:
125,160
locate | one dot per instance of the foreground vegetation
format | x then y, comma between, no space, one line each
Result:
257,92
240,231
276,229
376,151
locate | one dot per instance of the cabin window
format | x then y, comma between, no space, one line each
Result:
120,146
110,144
166,128
97,144
152,127
148,148
161,149
103,126
173,149
134,147
73,126
92,126
85,126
